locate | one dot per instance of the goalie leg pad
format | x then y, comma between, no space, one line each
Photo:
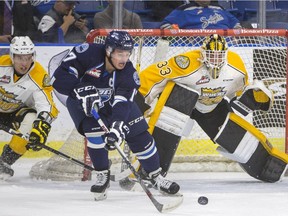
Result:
264,166
242,142
173,113
235,142
167,144
274,169
171,120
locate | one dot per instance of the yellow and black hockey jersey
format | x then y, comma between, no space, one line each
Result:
32,90
188,70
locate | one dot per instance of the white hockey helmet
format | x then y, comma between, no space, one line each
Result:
22,45
214,54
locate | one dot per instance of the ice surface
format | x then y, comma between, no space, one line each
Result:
229,194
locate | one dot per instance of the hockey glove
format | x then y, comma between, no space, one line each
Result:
254,97
38,135
116,135
89,97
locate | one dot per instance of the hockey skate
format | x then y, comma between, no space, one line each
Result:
129,183
5,170
162,184
7,158
102,183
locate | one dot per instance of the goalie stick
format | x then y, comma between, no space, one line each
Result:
162,49
159,206
139,54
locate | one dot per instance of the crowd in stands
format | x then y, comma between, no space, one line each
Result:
62,24
63,21
104,19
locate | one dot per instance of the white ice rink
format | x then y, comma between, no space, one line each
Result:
230,194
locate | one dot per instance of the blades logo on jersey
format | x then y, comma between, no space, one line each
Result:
212,96
182,61
7,100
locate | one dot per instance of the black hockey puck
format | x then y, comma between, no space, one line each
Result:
202,200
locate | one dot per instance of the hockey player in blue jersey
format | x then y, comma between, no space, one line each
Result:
200,14
103,75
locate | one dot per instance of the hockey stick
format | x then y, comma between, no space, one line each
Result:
114,177
161,52
159,206
14,132
124,171
139,54
162,49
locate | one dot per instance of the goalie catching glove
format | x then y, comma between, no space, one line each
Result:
116,135
254,97
39,133
89,97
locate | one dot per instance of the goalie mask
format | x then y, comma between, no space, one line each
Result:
214,54
22,46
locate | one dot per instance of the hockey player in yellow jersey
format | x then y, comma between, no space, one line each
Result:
26,102
207,85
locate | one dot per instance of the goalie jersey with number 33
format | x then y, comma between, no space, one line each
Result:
187,70
208,85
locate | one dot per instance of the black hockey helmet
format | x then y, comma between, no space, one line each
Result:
119,40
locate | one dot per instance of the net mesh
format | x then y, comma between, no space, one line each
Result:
264,54
57,168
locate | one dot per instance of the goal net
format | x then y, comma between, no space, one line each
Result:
264,52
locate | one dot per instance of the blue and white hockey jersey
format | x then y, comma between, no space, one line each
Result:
193,16
86,63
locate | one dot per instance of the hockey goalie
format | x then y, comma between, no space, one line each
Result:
207,86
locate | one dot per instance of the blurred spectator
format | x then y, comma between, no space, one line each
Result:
23,20
160,9
61,24
5,38
201,14
5,17
104,19
41,7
